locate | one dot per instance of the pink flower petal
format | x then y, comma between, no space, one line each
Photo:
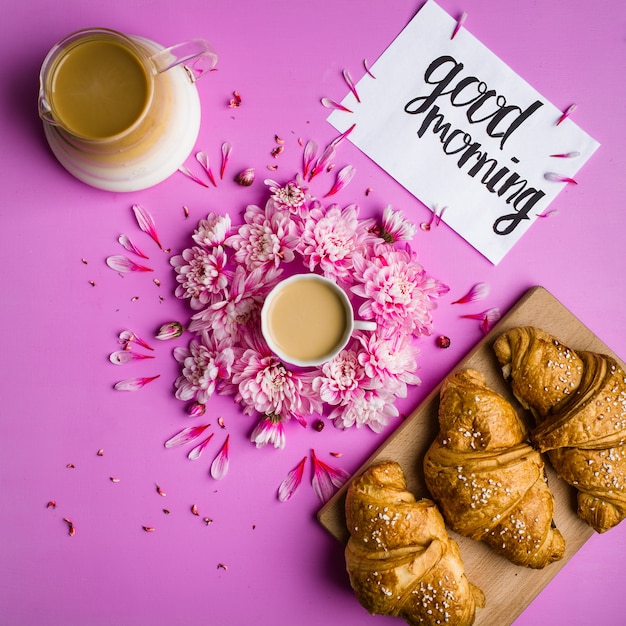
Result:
326,478
570,109
549,213
367,68
459,24
187,172
337,140
351,85
487,318
329,103
220,464
185,436
134,384
566,155
226,152
126,243
128,336
309,154
121,263
558,178
327,156
477,292
126,356
343,178
199,449
146,223
292,481
203,159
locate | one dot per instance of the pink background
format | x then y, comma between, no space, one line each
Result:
58,406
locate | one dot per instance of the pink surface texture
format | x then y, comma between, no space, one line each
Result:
259,561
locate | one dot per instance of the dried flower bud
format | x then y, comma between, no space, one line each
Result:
318,425
196,409
443,341
246,177
171,330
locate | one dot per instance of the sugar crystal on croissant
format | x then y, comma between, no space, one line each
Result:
400,558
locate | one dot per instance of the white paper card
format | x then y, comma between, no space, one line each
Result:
459,129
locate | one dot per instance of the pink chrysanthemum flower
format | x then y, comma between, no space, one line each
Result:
212,231
397,292
341,378
367,407
204,364
201,275
291,197
391,362
270,429
331,238
239,310
266,386
267,239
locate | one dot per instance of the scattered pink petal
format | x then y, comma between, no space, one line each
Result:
122,357
187,172
146,223
171,330
558,178
134,384
203,159
128,336
220,464
325,478
327,156
121,263
566,155
477,292
185,436
226,152
130,246
487,318
292,481
343,178
309,155
199,449
367,68
351,85
550,213
337,140
459,24
329,103
570,109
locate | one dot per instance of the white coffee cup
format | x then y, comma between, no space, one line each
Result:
308,319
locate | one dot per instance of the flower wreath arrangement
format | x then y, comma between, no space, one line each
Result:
227,273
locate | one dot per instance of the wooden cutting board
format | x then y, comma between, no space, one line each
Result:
508,588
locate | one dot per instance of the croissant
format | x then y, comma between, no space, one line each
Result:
579,403
400,559
488,481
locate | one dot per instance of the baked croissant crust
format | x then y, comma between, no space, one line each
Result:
400,559
579,403
488,481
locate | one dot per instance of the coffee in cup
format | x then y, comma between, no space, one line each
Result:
308,319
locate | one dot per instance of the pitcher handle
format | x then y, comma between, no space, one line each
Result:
196,55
